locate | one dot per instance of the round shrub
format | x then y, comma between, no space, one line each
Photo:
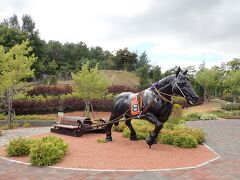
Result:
192,116
185,141
47,151
208,117
18,147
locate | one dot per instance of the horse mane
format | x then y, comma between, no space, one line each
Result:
165,81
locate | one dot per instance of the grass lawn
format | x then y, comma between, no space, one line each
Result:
213,105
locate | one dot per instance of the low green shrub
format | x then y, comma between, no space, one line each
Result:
231,106
208,117
47,151
178,138
121,126
2,117
197,133
13,126
173,133
37,117
192,116
185,141
172,122
142,128
101,140
18,147
180,100
0,131
227,97
26,124
167,139
177,110
228,114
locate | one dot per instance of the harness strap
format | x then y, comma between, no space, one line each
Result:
179,90
161,96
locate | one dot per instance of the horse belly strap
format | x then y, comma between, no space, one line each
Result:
136,104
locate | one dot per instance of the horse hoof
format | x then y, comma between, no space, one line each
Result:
149,141
108,139
133,138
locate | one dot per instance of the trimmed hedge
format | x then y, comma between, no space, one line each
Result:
46,90
53,105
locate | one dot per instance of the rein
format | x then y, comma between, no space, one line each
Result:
161,96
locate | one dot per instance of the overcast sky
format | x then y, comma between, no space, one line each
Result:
172,32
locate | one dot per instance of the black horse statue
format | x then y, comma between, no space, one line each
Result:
156,104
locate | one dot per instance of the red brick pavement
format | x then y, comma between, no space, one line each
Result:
226,168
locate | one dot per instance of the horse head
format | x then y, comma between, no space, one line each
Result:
182,86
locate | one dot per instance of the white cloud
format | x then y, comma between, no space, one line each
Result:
182,32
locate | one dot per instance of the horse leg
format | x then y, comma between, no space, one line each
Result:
158,126
109,132
109,127
133,136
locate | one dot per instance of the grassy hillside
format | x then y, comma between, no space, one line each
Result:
117,77
122,77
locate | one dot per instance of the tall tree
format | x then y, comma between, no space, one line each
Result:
144,77
142,60
14,67
234,64
125,60
209,80
155,73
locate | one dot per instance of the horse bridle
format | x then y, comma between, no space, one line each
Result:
160,93
179,89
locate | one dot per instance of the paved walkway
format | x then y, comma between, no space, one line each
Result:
223,137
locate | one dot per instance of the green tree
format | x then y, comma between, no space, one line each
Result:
144,81
142,60
90,84
155,73
11,36
209,80
125,60
14,67
232,78
234,64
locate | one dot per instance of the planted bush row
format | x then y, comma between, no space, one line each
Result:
54,90
231,106
53,105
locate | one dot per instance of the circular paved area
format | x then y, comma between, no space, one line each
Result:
223,137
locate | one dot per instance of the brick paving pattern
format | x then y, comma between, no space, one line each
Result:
223,137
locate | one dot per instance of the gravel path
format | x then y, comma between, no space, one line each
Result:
223,137
24,132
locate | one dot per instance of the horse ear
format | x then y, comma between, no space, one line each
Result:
178,71
185,72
